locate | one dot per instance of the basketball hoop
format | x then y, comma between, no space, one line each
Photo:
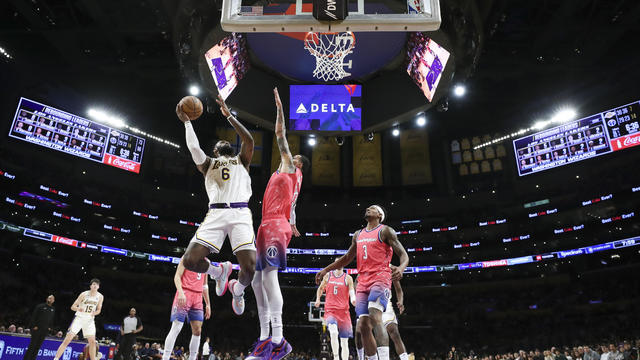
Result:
330,49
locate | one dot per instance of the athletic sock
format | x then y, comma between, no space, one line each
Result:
238,288
372,357
170,340
276,328
193,347
383,353
361,354
344,344
215,271
404,356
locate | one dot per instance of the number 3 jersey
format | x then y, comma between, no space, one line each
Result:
374,257
227,181
88,304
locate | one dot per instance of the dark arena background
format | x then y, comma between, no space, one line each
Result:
501,145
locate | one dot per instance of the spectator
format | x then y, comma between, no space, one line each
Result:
614,354
59,334
206,350
3,329
144,352
20,330
41,320
11,329
131,325
605,353
589,354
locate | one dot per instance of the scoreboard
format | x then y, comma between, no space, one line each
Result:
59,130
592,136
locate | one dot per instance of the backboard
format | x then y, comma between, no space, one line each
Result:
247,16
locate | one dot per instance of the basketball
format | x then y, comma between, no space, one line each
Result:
192,106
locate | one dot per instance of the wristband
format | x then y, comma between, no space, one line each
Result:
230,116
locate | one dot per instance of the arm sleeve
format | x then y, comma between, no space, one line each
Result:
193,144
292,216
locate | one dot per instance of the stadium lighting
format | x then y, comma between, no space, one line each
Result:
106,118
194,90
311,141
421,120
395,132
459,90
4,53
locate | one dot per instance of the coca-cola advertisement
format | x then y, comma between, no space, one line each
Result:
122,163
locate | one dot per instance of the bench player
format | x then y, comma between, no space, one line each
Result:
228,185
87,306
339,288
373,246
191,288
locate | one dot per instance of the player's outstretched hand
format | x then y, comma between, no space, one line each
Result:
207,312
294,230
181,114
223,106
396,273
277,97
400,307
320,275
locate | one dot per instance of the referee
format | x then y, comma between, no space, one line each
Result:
41,320
131,325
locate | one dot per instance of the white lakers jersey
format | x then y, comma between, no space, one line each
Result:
227,181
89,304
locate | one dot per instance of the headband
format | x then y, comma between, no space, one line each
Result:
380,211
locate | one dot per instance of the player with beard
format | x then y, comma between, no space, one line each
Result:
275,231
228,185
373,246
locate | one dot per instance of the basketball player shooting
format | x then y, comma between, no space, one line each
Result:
191,288
373,246
228,185
87,306
338,286
274,234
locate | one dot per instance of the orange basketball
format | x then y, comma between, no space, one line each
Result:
192,106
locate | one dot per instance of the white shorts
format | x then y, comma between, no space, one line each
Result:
389,316
237,223
86,324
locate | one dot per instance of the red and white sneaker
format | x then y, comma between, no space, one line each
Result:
237,302
222,283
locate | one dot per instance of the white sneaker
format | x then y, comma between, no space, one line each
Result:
237,303
222,283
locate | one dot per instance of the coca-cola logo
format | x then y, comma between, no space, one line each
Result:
631,141
129,165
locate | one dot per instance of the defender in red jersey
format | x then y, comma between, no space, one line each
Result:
191,288
275,231
338,286
374,246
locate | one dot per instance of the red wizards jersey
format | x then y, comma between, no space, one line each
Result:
337,292
374,255
281,193
193,281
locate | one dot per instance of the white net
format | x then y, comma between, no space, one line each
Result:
330,50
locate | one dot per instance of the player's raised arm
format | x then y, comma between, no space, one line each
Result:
286,160
177,280
199,158
321,289
76,304
389,236
207,300
246,148
342,261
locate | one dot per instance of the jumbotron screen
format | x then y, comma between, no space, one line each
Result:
592,136
325,107
59,130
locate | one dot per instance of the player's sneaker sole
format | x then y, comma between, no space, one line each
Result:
281,350
261,350
237,301
223,282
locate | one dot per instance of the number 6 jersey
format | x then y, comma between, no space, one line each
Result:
227,181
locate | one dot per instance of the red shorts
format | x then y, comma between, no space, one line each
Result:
342,318
192,309
273,238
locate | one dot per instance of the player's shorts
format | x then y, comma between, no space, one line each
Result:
192,309
372,291
237,223
342,319
84,323
389,316
273,238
